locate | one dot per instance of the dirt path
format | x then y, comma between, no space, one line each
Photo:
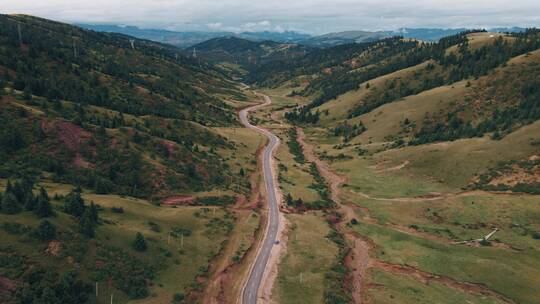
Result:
360,260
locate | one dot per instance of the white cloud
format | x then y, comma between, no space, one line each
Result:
215,26
308,15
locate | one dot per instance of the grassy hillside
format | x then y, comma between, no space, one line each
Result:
91,109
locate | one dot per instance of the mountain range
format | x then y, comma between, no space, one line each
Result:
187,39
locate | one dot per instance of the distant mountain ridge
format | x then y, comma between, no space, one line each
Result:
190,38
424,34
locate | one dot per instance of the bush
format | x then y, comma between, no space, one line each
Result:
129,274
15,228
154,227
45,231
117,210
10,205
139,243
178,297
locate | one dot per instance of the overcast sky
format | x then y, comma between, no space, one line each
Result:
311,16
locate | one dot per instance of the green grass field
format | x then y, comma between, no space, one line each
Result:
455,163
308,257
393,288
508,272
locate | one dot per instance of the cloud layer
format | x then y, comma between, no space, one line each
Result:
314,16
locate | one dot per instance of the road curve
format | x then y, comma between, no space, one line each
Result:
253,283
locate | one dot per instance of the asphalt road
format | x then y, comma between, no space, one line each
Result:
251,288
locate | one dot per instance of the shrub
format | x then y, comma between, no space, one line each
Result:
117,210
154,227
178,297
45,231
139,243
10,205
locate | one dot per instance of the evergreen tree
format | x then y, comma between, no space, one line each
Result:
10,205
289,199
87,224
74,203
48,296
94,212
139,243
73,290
43,206
30,203
45,231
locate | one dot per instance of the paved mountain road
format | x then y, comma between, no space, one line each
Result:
253,283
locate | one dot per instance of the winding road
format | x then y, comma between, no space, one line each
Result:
253,283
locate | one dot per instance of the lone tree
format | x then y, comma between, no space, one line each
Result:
74,203
45,231
42,206
139,243
10,205
87,224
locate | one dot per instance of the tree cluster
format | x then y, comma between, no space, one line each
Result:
19,196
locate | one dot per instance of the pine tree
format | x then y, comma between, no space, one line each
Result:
43,206
87,224
94,212
48,296
10,205
30,202
74,203
139,243
45,231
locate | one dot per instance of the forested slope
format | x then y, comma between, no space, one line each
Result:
108,111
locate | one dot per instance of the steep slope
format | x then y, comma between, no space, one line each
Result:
110,112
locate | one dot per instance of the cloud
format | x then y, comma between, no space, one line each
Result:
215,26
308,15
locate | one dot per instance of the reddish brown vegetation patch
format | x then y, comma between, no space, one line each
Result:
177,200
71,135
54,248
169,145
7,286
